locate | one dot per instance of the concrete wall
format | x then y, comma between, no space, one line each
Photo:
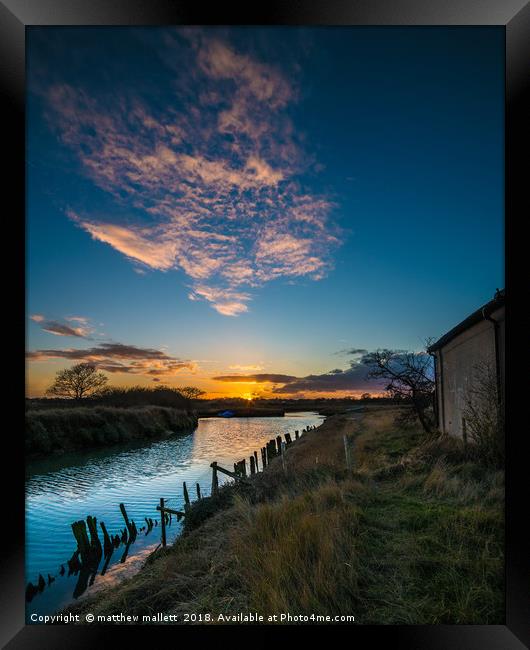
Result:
456,365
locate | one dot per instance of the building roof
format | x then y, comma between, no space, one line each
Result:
474,318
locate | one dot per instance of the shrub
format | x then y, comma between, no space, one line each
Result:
484,415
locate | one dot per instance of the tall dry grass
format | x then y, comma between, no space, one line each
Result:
299,555
412,534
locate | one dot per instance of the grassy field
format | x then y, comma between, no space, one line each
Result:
67,429
412,534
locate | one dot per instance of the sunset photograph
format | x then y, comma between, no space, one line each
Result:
264,325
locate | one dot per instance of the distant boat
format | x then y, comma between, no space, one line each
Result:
227,414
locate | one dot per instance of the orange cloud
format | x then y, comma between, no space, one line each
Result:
213,179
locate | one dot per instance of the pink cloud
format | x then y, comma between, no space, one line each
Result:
212,186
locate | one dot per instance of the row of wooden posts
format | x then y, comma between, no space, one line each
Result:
273,449
87,556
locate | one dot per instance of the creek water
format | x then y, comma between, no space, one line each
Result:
67,488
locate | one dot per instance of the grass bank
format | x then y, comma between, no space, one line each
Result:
69,429
412,534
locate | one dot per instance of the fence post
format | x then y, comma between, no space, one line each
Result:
347,452
215,481
131,526
283,445
252,465
198,492
107,544
186,496
279,444
256,460
163,521
296,435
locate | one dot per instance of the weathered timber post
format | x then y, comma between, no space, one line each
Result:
186,497
95,544
347,452
236,468
256,460
288,439
162,521
263,458
244,467
279,444
80,534
296,435
198,492
131,527
107,544
252,465
215,480
283,457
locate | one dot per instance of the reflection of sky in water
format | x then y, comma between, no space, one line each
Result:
68,488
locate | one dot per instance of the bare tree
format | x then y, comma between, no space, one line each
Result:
77,382
410,377
484,414
190,392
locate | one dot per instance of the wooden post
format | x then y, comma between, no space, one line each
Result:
283,457
162,521
244,467
347,452
198,492
107,544
95,544
256,460
186,496
80,534
130,526
252,465
288,438
215,480
263,458
296,435
279,444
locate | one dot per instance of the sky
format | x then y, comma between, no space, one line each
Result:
252,210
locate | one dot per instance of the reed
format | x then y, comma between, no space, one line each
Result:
68,429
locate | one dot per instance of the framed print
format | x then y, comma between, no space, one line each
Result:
265,257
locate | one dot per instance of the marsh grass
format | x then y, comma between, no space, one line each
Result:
65,429
300,554
413,534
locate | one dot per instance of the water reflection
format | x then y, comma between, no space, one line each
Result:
67,489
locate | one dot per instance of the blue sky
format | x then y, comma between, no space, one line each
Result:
252,201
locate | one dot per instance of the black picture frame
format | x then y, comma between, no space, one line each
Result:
514,16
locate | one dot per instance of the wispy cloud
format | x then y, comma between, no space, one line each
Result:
120,358
60,328
214,178
246,368
257,378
